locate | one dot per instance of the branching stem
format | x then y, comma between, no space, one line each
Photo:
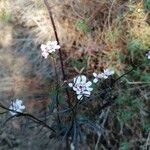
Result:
28,115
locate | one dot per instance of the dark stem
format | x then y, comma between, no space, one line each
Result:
60,52
124,75
128,72
56,36
57,91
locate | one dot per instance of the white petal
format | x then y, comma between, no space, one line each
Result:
13,113
70,84
49,43
19,110
57,47
51,50
72,147
52,43
43,47
45,54
77,80
11,107
95,80
79,97
95,74
74,88
99,75
86,93
89,83
78,92
83,79
112,72
102,75
105,77
89,89
22,107
108,72
18,102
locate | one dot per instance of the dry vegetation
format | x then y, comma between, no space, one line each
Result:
93,34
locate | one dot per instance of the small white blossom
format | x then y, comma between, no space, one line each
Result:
97,77
80,97
50,47
17,106
81,86
148,55
70,84
106,73
103,76
72,147
45,53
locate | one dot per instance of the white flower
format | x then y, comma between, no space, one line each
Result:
148,55
45,54
17,106
70,84
97,77
81,86
106,73
72,147
50,47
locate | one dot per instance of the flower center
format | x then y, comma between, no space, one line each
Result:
81,87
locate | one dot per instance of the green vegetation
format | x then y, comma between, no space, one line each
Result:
5,16
147,5
82,25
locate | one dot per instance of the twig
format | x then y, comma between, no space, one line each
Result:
72,6
124,74
109,14
1,113
148,141
104,120
138,82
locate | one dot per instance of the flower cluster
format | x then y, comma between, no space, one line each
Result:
50,47
16,106
148,55
81,86
104,75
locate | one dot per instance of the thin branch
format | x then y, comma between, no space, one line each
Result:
56,36
57,91
105,116
126,73
19,114
1,113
